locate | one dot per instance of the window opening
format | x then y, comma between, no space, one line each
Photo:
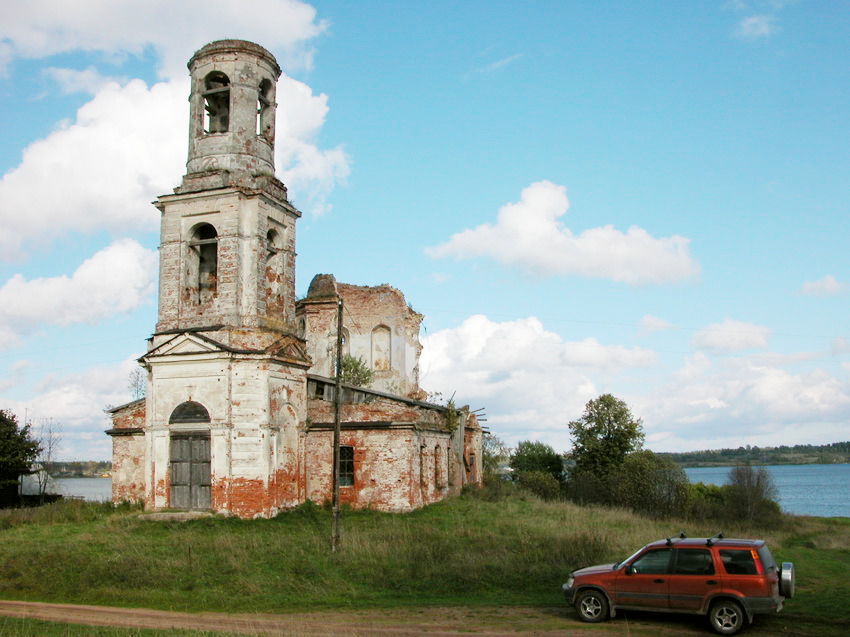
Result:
438,467
264,126
381,353
204,245
216,103
189,412
346,466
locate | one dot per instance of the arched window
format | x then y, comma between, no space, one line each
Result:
381,341
274,272
346,342
189,412
216,103
264,111
202,264
438,467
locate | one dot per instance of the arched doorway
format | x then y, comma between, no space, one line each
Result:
190,459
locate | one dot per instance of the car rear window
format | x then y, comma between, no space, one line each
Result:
738,561
766,558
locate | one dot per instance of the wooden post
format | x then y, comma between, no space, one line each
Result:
335,531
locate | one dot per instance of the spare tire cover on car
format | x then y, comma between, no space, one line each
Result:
786,579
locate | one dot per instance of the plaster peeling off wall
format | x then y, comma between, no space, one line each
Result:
128,452
379,327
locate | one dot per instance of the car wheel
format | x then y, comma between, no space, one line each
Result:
726,616
592,606
786,579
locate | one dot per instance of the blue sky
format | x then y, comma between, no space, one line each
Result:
647,198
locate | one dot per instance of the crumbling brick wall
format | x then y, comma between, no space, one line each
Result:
379,327
128,452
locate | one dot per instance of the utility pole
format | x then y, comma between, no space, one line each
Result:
337,404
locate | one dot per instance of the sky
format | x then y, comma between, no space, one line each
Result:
648,199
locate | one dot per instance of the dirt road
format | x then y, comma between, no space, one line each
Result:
507,621
407,621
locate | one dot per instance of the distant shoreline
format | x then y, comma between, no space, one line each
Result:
772,463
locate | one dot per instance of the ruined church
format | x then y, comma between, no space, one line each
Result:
239,413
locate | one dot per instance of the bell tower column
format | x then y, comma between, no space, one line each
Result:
227,255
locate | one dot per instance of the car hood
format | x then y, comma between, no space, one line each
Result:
592,570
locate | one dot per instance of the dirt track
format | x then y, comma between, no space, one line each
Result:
508,621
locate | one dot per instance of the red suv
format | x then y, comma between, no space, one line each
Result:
728,580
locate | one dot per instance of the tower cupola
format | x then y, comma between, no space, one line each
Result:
232,114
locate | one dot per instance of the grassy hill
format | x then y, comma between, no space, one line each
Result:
478,549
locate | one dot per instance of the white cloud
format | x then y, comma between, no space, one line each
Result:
500,64
827,286
528,234
126,147
730,336
88,80
531,383
755,27
118,279
76,403
529,379
742,403
650,323
307,170
18,369
40,28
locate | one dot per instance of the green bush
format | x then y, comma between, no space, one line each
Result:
540,483
537,456
650,484
752,494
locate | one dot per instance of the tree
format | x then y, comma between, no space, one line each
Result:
494,454
49,437
752,493
537,456
651,484
355,371
17,452
137,384
603,436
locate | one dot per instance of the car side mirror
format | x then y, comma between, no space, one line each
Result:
630,570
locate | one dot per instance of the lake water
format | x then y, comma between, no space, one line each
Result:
91,489
803,489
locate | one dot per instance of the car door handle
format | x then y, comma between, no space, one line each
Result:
713,582
658,581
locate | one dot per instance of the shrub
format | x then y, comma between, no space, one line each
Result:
540,483
584,487
650,484
752,493
537,457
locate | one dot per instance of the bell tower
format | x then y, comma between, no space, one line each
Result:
227,257
225,411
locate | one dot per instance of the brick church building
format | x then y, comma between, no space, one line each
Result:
239,414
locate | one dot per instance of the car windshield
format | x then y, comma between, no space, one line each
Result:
628,559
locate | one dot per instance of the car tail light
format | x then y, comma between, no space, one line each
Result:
757,560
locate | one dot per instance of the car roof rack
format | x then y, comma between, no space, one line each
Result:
716,536
681,536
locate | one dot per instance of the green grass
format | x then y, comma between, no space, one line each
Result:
513,550
15,627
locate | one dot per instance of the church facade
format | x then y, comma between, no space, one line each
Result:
239,414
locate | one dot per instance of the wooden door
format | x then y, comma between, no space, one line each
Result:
190,471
